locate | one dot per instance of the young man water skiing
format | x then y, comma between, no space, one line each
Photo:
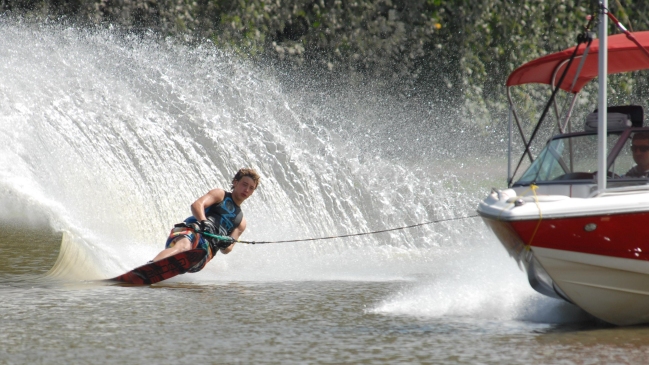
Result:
219,213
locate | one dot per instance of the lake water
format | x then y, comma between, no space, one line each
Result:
288,322
107,140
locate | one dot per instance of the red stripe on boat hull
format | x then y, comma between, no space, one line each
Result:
616,235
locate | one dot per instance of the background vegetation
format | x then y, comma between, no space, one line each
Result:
448,50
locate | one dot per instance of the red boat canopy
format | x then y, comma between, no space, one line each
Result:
623,56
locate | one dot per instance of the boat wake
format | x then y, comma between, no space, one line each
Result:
475,284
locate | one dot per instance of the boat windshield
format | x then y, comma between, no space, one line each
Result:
574,157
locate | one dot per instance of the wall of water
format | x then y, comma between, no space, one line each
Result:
110,137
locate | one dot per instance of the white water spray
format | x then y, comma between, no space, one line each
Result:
110,137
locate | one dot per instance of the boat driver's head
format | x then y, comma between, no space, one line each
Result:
640,149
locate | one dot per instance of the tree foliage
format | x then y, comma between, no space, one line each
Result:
451,50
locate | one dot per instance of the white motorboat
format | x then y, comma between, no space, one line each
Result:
580,235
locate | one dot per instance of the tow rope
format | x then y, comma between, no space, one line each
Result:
228,238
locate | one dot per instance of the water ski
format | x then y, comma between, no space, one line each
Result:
163,269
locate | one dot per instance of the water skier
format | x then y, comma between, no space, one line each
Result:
218,212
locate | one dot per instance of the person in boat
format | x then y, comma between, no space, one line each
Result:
640,150
218,212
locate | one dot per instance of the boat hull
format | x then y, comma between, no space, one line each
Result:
600,262
616,235
613,289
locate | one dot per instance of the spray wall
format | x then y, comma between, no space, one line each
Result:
108,138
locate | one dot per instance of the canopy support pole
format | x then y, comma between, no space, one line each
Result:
509,148
565,127
602,169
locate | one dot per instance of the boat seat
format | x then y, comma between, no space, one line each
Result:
635,113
